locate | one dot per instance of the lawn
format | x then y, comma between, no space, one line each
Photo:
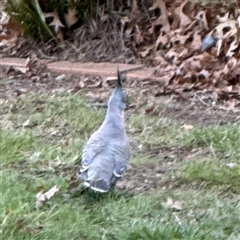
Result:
196,196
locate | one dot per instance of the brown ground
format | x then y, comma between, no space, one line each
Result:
203,107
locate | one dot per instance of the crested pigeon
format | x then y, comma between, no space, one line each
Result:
107,152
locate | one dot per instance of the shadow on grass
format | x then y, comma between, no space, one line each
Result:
91,197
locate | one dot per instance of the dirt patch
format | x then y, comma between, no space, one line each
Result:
200,107
150,176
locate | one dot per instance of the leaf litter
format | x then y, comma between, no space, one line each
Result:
189,47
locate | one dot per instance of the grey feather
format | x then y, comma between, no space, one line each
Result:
107,152
208,42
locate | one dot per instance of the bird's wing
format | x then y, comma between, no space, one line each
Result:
94,146
121,157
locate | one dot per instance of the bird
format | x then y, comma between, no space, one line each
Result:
106,154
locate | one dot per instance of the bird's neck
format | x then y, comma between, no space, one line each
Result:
115,117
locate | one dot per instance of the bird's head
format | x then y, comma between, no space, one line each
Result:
118,97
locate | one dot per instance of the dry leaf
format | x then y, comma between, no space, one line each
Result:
219,46
71,17
219,31
231,165
56,23
12,31
22,69
224,18
162,40
163,18
184,19
233,46
177,205
169,202
145,52
202,18
187,126
42,198
4,19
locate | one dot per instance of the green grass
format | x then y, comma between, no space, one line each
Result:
14,147
213,172
218,139
153,132
115,215
41,141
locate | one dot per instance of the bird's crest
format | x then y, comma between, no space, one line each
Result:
119,78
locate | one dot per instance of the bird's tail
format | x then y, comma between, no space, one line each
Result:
97,185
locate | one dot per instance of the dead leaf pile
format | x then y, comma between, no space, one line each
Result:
34,68
186,46
172,40
10,30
